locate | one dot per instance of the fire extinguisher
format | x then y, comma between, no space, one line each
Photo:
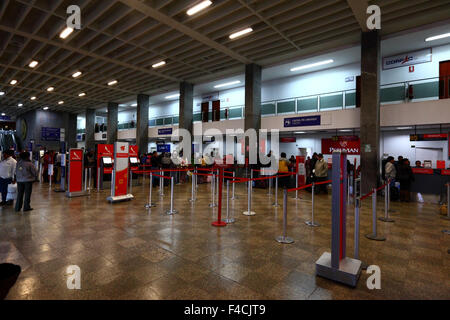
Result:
410,92
226,114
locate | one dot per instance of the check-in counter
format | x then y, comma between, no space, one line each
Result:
431,182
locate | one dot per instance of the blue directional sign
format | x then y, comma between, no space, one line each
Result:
165,131
50,134
302,121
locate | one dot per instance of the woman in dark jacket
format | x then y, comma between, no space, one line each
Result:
405,176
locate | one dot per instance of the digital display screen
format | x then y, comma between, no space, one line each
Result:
41,153
134,160
107,160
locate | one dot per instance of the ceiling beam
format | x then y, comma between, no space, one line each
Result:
359,9
164,19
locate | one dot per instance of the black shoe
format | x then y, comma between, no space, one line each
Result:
3,203
29,209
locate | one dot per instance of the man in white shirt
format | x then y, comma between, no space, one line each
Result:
7,170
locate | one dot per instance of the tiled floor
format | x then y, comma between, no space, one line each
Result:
127,252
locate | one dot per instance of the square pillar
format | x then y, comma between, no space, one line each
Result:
71,134
252,97
370,110
142,123
90,126
186,113
112,124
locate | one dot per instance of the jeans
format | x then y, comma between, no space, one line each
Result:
4,187
24,189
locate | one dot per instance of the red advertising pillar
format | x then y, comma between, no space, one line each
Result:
76,169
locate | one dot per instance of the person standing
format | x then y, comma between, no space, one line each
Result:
390,172
7,171
405,176
26,174
321,173
283,169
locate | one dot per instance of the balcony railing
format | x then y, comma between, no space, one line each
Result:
400,92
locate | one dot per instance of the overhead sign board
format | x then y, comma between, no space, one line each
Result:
407,59
302,121
164,131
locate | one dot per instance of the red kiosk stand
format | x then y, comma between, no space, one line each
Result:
300,169
105,154
76,169
119,185
134,159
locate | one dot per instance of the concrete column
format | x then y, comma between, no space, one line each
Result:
142,123
252,101
71,134
186,113
113,122
370,110
90,126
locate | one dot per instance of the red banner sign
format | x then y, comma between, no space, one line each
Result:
445,172
105,150
348,144
75,170
422,171
121,169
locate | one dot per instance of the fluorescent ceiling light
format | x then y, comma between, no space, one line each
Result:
441,36
227,84
345,130
65,33
33,64
134,105
159,64
61,102
2,93
13,82
240,33
20,105
77,74
45,108
82,94
3,114
111,83
173,96
199,7
404,128
50,89
312,65
33,98
299,132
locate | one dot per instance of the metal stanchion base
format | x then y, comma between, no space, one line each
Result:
446,231
375,237
192,200
445,217
386,219
234,198
286,240
212,205
171,212
219,224
231,220
312,224
150,205
246,213
275,205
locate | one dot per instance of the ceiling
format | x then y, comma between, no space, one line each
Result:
121,40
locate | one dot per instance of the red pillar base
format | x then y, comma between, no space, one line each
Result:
219,224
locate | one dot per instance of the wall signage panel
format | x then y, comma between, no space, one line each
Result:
164,131
163,147
428,137
348,144
302,121
407,59
50,134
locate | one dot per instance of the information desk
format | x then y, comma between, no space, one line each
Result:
430,181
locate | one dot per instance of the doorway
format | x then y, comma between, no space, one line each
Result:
444,79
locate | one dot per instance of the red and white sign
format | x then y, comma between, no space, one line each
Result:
105,150
75,170
445,172
301,170
422,171
134,151
348,144
121,151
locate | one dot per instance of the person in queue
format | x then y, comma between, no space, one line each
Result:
321,173
418,164
26,174
390,171
283,169
405,176
7,172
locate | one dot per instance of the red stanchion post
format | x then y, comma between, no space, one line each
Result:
219,222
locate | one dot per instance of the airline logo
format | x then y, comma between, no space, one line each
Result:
76,155
407,59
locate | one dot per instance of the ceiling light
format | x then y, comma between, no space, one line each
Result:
45,108
441,36
77,74
3,114
33,64
61,102
134,105
312,65
2,93
13,82
345,130
50,89
227,84
66,32
111,83
199,7
404,128
82,94
299,132
33,98
240,33
159,64
173,96
20,105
